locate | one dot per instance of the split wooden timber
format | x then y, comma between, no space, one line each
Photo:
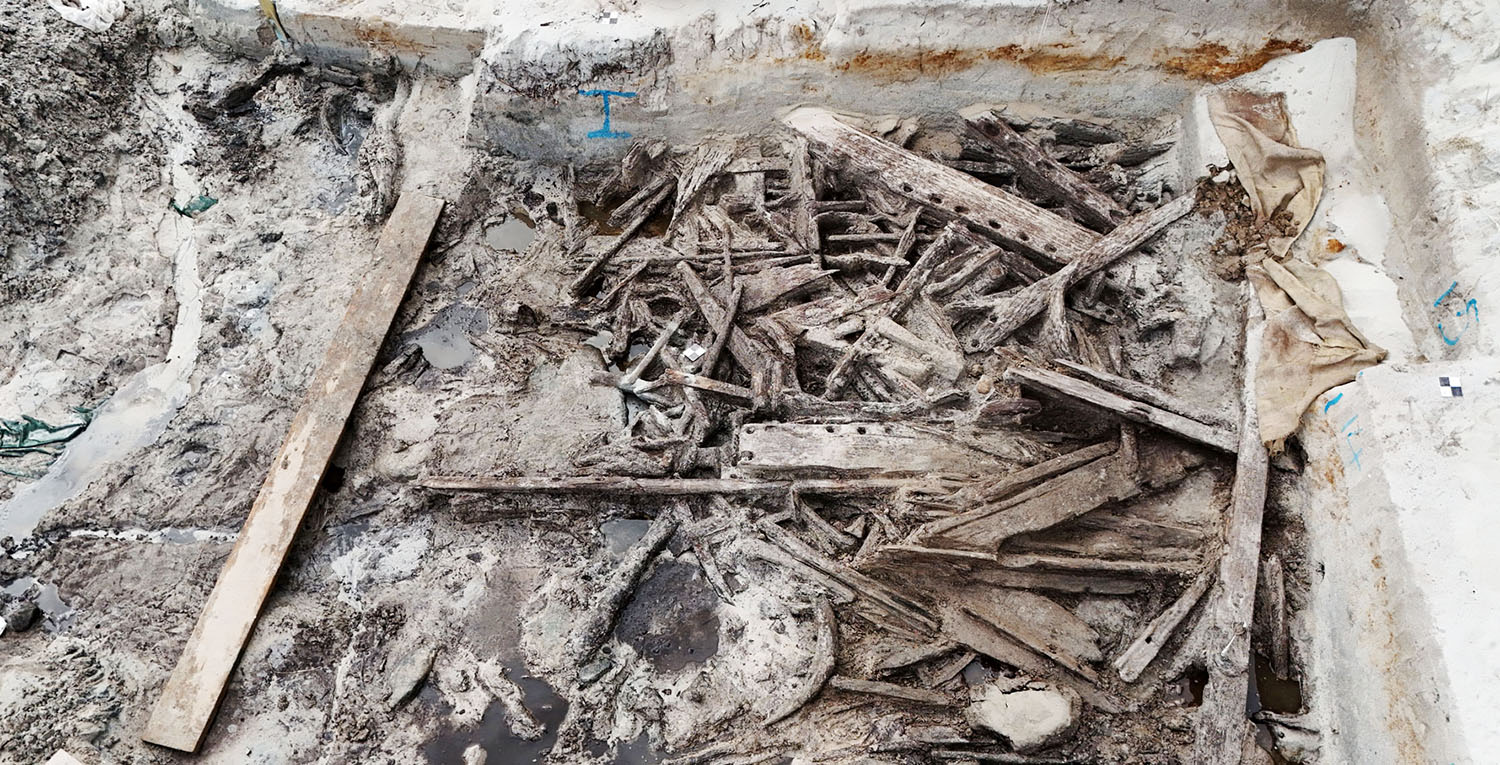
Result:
1135,411
187,703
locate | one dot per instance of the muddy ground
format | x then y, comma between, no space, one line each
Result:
101,135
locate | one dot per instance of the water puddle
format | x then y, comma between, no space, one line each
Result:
57,615
1271,693
445,340
620,534
493,734
599,216
515,235
672,620
1187,690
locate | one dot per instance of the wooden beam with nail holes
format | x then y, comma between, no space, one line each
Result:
187,702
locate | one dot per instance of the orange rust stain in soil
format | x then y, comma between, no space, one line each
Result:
1335,245
1215,62
899,66
381,35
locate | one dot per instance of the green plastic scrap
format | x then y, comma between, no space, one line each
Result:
30,435
198,205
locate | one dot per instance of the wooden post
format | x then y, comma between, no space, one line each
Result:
192,693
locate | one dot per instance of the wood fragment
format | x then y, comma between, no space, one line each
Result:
765,287
889,690
595,269
1043,174
741,347
911,286
1080,490
722,330
868,589
1134,411
701,382
593,629
1013,311
1231,604
947,192
1135,658
1273,596
820,669
1146,393
182,713
1007,485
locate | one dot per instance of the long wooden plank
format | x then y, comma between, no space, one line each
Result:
1142,392
947,192
1231,604
192,693
1135,411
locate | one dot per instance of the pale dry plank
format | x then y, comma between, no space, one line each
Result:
1135,411
865,448
187,703
950,193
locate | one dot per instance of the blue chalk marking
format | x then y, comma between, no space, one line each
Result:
1445,295
1351,422
1331,402
1471,308
1354,457
606,132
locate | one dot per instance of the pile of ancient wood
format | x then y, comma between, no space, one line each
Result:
907,367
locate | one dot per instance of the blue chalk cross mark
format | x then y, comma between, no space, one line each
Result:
606,132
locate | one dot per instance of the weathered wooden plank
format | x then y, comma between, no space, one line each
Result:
889,690
670,487
1037,170
1134,411
1078,491
888,600
187,702
1043,625
1011,483
1134,659
1231,605
947,192
866,448
1145,393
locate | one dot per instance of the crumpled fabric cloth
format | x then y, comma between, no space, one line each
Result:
93,15
1310,344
